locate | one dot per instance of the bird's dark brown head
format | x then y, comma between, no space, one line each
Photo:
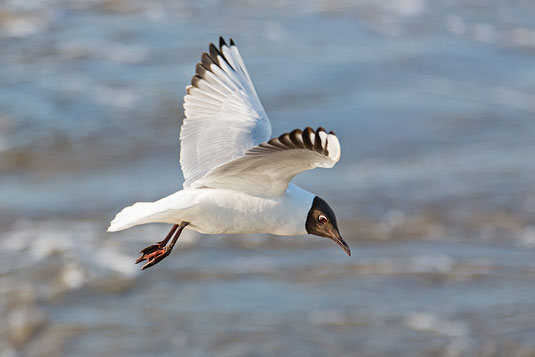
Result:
321,221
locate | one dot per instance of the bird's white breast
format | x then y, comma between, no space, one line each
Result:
227,211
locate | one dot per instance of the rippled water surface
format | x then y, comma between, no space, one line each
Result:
434,105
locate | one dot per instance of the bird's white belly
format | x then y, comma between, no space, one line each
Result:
224,211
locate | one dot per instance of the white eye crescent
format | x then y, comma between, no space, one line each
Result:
322,219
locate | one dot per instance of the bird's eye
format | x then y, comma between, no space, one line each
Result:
322,219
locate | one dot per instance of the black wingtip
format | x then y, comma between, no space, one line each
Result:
195,80
206,61
222,42
332,133
296,131
318,147
232,42
200,69
307,133
214,52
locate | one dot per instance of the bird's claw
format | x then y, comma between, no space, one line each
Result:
145,252
151,248
155,253
153,256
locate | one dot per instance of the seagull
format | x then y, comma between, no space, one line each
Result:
237,179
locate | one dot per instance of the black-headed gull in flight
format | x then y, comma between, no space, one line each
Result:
237,180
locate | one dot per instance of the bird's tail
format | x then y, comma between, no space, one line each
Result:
167,210
138,213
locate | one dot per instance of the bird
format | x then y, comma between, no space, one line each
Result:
237,179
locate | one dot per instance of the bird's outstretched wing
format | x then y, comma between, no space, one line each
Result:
224,116
267,169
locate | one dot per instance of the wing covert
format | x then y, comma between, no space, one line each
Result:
267,169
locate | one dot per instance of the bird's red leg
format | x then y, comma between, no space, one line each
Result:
152,248
157,252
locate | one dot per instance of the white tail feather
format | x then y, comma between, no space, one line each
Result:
167,210
138,213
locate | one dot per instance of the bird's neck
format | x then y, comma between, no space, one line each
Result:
297,204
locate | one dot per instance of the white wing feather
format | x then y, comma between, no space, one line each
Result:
267,169
224,116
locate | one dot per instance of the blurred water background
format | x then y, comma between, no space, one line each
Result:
433,102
